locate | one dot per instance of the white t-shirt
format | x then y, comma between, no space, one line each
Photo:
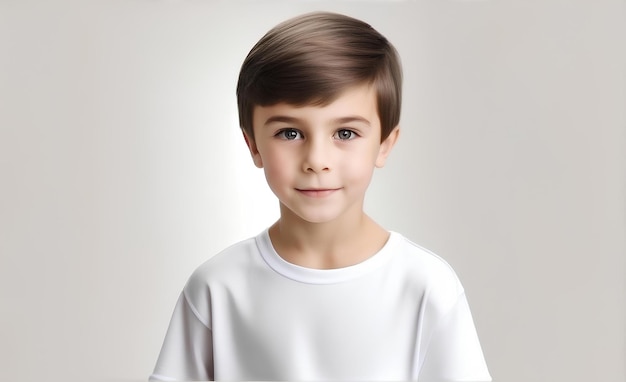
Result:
247,314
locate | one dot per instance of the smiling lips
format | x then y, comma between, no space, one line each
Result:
317,192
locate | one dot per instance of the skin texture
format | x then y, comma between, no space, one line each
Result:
319,161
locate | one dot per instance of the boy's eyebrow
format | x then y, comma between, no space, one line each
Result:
280,118
353,118
342,120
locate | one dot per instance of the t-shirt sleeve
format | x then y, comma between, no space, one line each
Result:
453,352
187,352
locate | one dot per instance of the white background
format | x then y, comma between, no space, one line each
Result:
122,168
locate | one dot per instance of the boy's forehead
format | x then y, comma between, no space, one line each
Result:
359,102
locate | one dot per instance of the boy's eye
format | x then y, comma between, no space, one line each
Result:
345,135
289,134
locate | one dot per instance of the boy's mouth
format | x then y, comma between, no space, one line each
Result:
316,192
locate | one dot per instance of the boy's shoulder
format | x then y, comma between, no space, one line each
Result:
421,265
418,255
225,268
228,263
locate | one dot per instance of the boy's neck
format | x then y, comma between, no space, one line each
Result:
331,245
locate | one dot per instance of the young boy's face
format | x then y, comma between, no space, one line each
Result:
319,160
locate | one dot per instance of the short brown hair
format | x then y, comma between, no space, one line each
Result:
311,59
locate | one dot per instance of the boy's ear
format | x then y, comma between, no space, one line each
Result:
254,152
386,146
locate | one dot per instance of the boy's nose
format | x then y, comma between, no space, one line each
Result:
316,158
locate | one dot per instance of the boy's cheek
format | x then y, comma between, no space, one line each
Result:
273,174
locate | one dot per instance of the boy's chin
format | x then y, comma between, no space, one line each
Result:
315,216
314,219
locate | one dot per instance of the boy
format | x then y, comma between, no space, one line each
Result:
325,293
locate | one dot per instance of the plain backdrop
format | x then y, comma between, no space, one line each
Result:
122,168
